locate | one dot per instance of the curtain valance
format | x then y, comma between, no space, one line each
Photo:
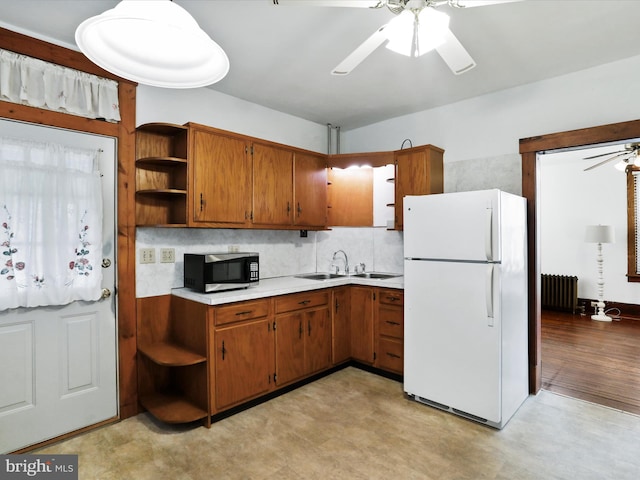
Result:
33,82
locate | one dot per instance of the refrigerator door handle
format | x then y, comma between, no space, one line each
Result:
488,234
489,294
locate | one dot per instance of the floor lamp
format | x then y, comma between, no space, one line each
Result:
600,234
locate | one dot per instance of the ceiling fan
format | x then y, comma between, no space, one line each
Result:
417,29
628,157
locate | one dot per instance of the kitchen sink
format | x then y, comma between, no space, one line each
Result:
319,276
378,276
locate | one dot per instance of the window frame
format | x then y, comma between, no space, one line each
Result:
632,225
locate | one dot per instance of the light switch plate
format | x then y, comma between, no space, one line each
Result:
147,255
167,255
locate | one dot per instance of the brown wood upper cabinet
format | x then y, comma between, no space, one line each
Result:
419,171
220,179
289,187
272,185
310,189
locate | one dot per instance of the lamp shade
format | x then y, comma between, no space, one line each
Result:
153,42
599,234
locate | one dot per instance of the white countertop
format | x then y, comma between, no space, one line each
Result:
269,287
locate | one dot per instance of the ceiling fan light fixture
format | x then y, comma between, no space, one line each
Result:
152,42
415,33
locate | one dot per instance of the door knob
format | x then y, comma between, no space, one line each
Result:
106,293
106,263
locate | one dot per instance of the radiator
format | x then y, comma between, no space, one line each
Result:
559,292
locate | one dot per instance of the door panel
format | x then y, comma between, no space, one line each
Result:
58,370
452,353
18,376
290,333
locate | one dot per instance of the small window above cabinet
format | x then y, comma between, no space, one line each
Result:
161,175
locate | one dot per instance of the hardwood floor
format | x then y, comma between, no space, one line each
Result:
590,360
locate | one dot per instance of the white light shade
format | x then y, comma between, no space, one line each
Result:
413,34
599,234
153,42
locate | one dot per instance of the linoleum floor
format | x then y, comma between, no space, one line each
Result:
356,425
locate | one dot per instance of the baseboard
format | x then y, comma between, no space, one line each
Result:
629,311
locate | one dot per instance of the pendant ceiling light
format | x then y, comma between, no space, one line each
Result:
416,32
153,42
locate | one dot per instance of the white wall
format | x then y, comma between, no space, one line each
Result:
571,199
208,107
486,129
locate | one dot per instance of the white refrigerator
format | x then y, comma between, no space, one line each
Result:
465,283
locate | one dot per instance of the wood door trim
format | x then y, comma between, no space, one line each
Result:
126,232
529,147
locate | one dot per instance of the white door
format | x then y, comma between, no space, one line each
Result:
58,364
452,346
459,226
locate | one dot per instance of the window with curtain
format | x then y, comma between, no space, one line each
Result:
50,224
45,85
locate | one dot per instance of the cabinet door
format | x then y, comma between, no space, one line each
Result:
221,179
290,333
418,172
310,189
318,340
362,324
272,185
341,335
243,362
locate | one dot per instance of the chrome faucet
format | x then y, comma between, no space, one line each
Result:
346,261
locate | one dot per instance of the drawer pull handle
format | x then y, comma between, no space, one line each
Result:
304,302
392,323
246,312
393,299
393,355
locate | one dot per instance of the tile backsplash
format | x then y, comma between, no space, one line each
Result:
282,252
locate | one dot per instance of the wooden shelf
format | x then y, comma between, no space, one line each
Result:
172,408
162,191
161,174
171,355
160,161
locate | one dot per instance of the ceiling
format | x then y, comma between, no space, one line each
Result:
281,56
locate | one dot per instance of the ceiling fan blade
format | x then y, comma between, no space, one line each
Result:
481,3
360,53
615,157
602,155
455,55
332,3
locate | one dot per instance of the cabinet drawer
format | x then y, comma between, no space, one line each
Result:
298,301
392,297
237,312
391,321
390,354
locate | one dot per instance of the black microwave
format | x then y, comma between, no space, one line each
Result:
212,272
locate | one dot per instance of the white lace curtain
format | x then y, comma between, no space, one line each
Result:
51,224
41,84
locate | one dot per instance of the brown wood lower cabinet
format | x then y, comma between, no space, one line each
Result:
390,330
303,335
243,362
197,360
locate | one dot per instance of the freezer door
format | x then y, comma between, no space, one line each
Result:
460,226
452,346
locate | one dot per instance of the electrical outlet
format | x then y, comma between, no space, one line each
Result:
594,304
234,249
147,255
167,255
